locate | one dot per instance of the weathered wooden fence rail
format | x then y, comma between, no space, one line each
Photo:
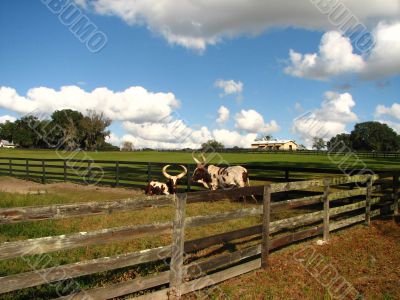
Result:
136,174
365,203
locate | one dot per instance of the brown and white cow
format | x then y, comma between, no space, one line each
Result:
160,188
213,177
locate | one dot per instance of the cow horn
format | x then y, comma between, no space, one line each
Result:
203,158
195,159
181,175
164,171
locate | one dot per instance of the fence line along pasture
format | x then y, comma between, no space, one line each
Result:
371,197
363,154
135,174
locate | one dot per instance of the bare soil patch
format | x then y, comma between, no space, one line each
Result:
19,186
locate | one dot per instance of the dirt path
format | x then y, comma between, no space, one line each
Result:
19,186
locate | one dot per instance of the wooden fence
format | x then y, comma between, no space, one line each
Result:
137,174
361,154
371,195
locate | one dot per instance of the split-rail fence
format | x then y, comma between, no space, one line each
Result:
368,196
137,174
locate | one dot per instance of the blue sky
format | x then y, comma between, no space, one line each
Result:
177,69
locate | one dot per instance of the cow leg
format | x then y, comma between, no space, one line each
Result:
241,184
252,196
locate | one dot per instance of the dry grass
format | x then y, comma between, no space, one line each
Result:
367,257
287,280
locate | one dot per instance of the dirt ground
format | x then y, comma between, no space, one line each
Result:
19,186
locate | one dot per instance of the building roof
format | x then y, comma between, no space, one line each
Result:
273,142
7,143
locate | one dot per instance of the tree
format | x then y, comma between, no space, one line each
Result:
268,137
94,126
108,147
7,131
127,146
318,143
27,132
302,147
340,140
212,144
66,129
374,136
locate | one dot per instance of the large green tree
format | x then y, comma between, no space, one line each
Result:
27,132
94,126
374,136
339,141
7,131
318,143
66,129
212,144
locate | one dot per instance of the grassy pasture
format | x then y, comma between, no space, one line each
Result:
136,173
370,264
270,159
21,231
60,194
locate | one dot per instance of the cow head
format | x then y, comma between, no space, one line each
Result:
172,180
201,174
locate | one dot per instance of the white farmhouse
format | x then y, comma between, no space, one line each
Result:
288,145
6,144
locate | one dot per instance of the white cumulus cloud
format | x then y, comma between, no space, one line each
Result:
223,115
392,111
6,118
133,104
178,135
196,24
389,115
161,132
252,121
328,120
233,138
336,56
385,56
229,87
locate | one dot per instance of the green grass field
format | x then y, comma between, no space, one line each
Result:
281,160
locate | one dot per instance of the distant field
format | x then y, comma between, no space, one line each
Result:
283,160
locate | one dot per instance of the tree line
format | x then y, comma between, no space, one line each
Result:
367,136
65,129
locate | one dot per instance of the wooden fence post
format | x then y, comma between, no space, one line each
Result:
396,193
10,167
89,172
265,226
148,171
43,172
368,201
188,178
326,209
27,168
117,173
287,175
65,170
177,252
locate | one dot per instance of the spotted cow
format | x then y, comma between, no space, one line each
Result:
160,188
213,177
